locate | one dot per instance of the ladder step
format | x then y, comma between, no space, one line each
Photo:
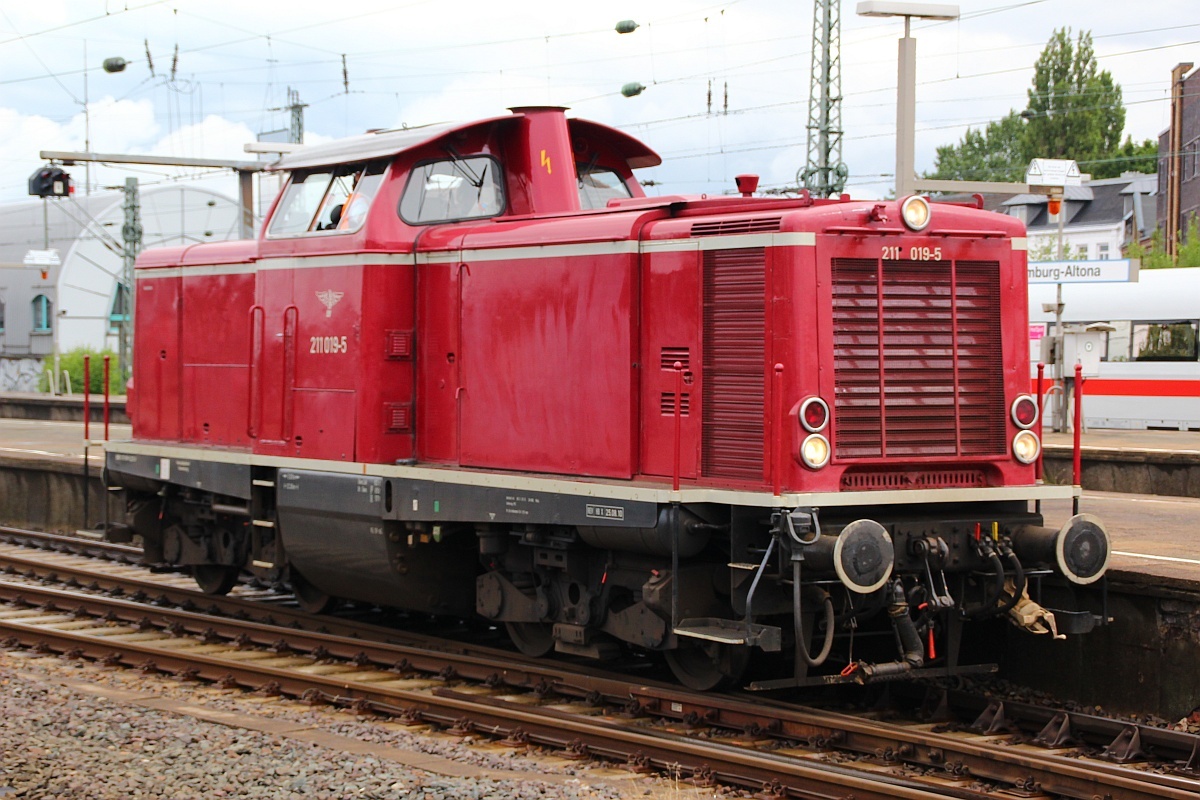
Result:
264,523
711,634
261,482
730,631
262,564
84,533
740,565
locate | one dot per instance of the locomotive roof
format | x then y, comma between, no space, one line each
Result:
392,142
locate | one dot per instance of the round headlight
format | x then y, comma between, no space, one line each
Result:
1024,411
814,414
915,212
815,451
1026,447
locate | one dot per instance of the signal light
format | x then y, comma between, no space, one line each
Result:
814,414
50,181
1024,411
1053,206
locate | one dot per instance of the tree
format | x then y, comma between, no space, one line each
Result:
1130,157
1074,111
995,154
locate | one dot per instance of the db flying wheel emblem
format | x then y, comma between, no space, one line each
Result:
329,299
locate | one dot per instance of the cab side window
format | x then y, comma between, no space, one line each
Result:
598,185
329,199
453,189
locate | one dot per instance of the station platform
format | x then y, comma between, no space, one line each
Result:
37,405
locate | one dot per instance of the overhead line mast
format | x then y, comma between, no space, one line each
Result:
824,174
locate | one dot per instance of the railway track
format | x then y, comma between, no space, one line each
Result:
764,744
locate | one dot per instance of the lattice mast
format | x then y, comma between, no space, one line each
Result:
824,174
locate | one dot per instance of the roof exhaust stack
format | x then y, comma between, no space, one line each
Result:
746,184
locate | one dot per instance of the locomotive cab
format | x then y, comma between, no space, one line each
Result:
472,369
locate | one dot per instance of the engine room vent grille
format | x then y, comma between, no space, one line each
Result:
398,344
734,363
920,479
918,361
723,227
670,355
397,417
667,404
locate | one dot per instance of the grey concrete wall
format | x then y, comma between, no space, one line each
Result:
1144,662
22,405
1132,471
48,495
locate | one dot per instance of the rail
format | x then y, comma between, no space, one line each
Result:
755,741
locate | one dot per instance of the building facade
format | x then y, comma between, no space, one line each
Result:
1100,218
76,304
1189,156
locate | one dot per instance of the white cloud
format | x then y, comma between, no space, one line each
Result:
423,61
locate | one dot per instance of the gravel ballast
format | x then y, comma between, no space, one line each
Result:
74,729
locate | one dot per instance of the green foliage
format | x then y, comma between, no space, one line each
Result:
1074,111
1187,251
72,363
995,154
1130,157
1045,248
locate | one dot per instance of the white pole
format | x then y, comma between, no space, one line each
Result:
906,113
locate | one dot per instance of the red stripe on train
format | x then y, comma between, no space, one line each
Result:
1137,387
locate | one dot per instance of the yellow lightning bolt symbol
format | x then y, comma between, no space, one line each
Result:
546,163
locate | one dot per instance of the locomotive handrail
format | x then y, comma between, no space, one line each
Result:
290,314
253,418
777,434
864,229
678,422
1041,378
1077,449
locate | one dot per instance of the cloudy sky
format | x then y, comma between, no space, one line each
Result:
206,76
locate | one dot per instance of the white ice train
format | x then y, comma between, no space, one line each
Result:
1149,374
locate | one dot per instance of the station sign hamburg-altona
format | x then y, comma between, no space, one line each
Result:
1120,270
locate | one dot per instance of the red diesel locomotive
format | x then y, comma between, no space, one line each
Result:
472,369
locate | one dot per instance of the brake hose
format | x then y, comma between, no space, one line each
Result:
801,644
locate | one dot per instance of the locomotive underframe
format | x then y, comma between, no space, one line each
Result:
703,582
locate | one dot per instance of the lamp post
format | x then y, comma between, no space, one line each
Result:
906,80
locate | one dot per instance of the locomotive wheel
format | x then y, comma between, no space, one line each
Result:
703,665
215,579
534,639
311,599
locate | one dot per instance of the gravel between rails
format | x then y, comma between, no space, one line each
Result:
59,741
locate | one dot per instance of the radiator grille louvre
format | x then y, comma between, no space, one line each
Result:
919,364
916,479
734,363
724,227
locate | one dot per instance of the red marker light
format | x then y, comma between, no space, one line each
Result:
1024,411
814,414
